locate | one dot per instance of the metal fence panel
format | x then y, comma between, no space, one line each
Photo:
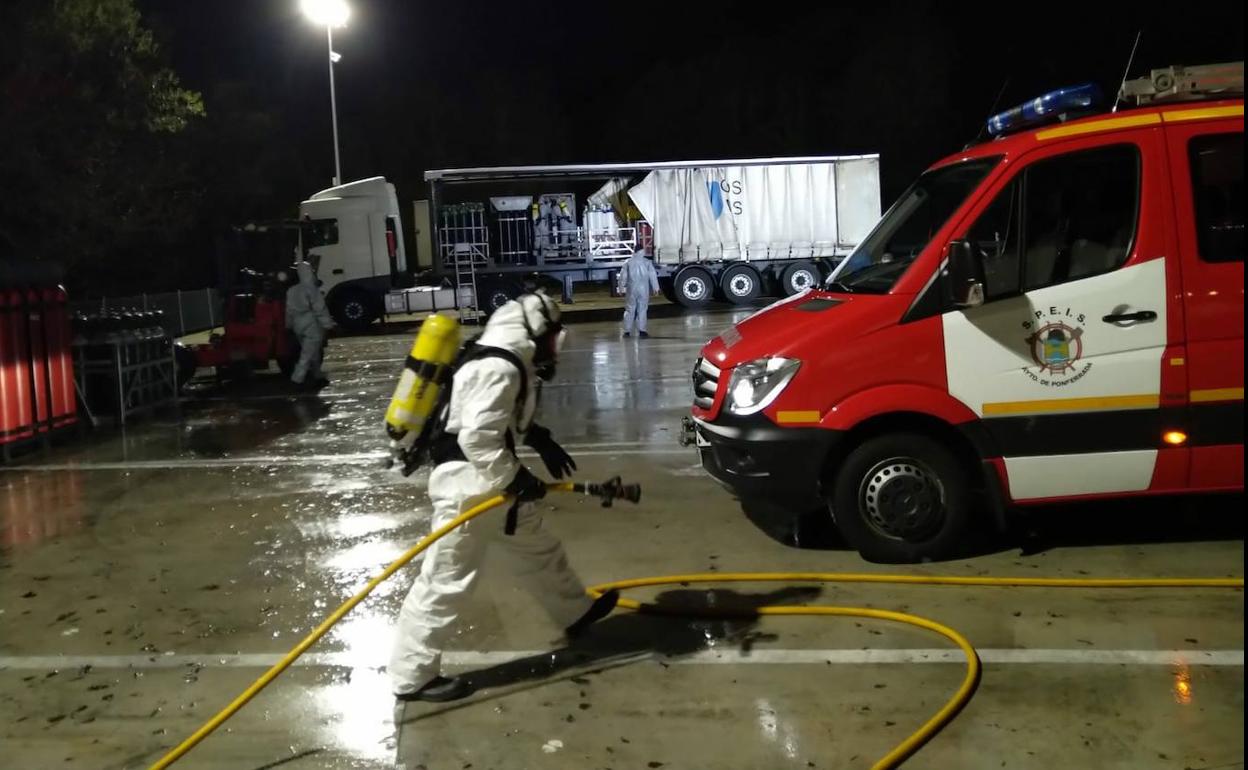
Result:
182,312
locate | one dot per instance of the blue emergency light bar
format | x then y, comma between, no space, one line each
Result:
1042,109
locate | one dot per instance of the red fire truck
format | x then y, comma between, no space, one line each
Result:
1054,314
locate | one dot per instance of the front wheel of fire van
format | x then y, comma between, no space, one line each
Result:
902,498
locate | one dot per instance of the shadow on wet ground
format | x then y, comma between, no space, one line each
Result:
222,430
1189,519
664,631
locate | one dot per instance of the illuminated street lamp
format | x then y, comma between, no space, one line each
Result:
330,13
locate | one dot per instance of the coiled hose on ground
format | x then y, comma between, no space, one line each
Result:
612,490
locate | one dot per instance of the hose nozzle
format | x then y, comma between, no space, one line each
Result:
610,490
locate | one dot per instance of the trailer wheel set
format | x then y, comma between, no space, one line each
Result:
695,286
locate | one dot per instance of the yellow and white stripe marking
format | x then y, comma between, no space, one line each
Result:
1135,121
1099,126
1057,405
1217,394
1205,113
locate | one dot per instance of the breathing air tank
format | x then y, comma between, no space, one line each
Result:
425,373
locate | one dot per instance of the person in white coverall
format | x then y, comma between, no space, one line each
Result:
639,280
494,397
308,318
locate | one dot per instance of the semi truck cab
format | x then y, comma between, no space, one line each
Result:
1054,314
352,234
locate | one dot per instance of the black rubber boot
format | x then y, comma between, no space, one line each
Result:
601,608
643,335
440,689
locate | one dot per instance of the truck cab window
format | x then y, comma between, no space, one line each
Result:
1080,213
319,232
1217,163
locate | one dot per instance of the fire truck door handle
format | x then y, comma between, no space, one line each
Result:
1137,316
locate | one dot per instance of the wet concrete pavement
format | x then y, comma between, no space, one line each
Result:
147,577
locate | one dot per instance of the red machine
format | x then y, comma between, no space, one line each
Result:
255,330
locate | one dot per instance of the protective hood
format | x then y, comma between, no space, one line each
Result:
307,276
510,326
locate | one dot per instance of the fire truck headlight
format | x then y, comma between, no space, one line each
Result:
755,384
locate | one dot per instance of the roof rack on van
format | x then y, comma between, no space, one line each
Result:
1179,83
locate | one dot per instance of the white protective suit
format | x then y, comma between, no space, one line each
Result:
308,318
483,409
639,280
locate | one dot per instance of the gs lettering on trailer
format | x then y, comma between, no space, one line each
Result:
1054,314
726,195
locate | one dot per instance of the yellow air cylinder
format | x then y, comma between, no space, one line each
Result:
424,374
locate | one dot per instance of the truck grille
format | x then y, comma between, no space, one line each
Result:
705,383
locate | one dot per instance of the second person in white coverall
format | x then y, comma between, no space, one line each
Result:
309,319
494,397
639,280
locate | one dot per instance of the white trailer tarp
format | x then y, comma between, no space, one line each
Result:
775,211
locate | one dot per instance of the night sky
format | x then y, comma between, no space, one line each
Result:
427,84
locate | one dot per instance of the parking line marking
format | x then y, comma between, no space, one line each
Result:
991,656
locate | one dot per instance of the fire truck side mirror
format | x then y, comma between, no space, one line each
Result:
964,275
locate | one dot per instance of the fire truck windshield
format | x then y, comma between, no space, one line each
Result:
906,229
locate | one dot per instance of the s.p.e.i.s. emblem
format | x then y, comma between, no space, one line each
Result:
1056,346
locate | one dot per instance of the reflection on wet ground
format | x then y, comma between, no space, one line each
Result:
231,525
146,576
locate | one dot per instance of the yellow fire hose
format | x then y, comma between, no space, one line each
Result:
891,760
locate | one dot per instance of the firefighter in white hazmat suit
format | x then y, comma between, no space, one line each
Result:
494,397
308,318
639,280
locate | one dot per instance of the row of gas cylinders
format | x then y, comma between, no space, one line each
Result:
117,327
36,364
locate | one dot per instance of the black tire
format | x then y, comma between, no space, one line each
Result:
694,287
667,288
902,498
495,295
798,276
741,284
186,364
355,309
236,371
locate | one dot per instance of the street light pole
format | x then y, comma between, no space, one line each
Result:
333,105
330,13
